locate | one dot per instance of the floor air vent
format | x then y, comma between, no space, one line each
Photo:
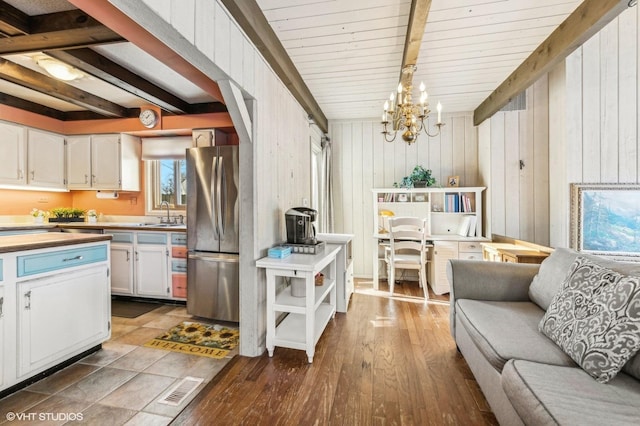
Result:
181,391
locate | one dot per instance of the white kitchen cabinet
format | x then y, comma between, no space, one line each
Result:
122,262
79,162
122,269
60,315
2,325
45,159
105,161
13,154
152,270
140,264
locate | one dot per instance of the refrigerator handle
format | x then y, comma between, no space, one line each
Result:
212,189
222,198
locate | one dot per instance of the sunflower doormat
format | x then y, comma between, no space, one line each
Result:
213,341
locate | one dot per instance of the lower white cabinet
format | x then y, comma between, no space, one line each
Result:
2,324
443,251
140,263
54,304
59,315
122,268
152,277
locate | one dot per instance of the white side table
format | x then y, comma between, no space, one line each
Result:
307,316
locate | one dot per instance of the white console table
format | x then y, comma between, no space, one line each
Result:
307,316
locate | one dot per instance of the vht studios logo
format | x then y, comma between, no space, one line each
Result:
44,417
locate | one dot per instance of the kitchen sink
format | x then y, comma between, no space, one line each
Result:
161,225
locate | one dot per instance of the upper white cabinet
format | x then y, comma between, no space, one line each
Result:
13,154
45,159
109,161
31,157
79,162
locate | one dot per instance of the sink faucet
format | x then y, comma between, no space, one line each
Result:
165,203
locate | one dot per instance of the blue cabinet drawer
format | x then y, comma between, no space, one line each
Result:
179,238
121,237
152,238
61,259
179,265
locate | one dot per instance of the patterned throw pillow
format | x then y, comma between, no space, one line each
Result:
595,318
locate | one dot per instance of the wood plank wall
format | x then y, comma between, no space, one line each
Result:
602,105
362,161
516,169
588,108
279,161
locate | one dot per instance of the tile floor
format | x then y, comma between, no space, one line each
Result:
118,385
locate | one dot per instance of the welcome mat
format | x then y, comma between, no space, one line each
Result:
213,341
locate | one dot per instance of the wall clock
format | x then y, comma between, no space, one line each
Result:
148,118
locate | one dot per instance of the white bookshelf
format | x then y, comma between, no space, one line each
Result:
454,218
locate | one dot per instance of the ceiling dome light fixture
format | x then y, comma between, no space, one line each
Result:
58,69
407,117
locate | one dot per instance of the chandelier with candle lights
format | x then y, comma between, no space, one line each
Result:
405,116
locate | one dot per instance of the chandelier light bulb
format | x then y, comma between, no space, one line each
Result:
399,89
422,86
439,108
386,106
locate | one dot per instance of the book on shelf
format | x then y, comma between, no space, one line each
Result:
473,221
465,203
463,229
451,202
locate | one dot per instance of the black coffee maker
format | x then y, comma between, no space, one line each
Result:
300,229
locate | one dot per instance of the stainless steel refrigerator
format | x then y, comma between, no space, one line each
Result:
212,233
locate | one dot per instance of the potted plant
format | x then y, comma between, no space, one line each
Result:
39,215
421,177
67,214
92,216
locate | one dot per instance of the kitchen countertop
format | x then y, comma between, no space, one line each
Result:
11,243
98,225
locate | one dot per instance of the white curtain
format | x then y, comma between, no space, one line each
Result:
326,192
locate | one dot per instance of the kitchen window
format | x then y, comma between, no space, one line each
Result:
167,181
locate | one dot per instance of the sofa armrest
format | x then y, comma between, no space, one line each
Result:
482,280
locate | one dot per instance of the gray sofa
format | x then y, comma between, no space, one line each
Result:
526,378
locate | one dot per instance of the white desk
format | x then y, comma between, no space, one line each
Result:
442,248
307,316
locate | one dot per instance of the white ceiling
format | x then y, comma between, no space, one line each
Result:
349,52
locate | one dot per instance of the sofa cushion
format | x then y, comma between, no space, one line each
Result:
554,268
548,394
506,330
595,318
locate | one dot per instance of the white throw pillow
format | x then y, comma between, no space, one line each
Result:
595,318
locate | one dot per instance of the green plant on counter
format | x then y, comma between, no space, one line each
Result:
67,212
39,213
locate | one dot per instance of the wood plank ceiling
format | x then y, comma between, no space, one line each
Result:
349,53
115,83
340,58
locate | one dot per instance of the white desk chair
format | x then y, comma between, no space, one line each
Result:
407,249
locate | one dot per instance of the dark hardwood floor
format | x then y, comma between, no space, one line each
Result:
387,361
